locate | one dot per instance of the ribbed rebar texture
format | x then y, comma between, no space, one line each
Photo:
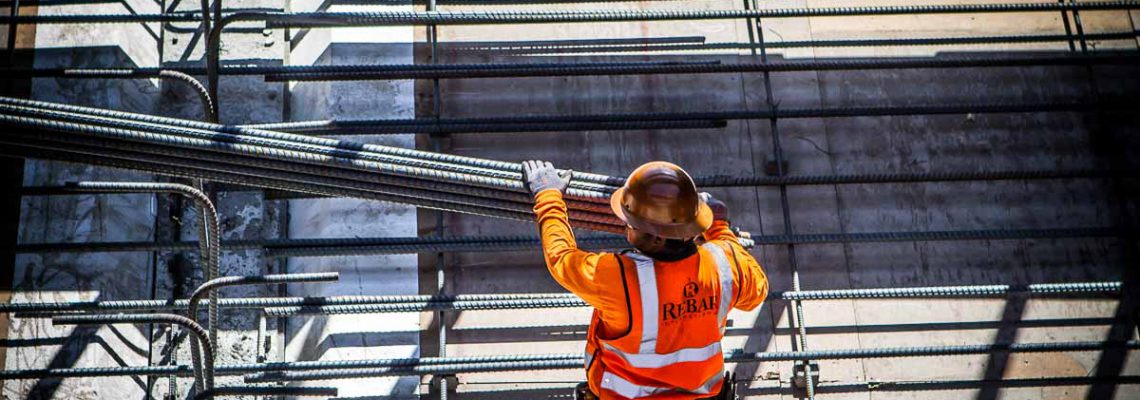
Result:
920,351
326,19
345,246
209,236
457,71
528,361
956,291
418,302
426,306
207,289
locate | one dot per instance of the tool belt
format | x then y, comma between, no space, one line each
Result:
727,390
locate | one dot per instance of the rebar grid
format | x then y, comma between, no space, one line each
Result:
424,366
545,300
782,181
475,244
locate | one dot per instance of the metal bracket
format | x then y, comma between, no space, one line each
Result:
798,378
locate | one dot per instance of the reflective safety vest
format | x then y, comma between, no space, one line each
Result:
677,319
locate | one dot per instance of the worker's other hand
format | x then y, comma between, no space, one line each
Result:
719,209
541,175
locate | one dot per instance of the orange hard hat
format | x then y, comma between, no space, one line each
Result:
661,199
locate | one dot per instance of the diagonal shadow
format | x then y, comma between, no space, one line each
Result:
1007,333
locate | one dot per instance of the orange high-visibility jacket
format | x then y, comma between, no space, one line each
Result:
657,325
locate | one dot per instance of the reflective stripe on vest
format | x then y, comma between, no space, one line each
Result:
632,390
725,271
647,282
653,360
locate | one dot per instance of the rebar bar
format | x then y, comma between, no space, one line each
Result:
669,45
160,158
207,288
209,236
252,147
962,176
343,19
425,306
924,351
241,175
326,19
292,391
395,155
957,291
363,246
969,291
444,369
388,126
121,73
202,371
515,362
391,245
463,71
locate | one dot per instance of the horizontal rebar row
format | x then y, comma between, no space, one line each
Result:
445,71
528,123
400,303
363,368
335,19
388,245
642,45
459,71
263,156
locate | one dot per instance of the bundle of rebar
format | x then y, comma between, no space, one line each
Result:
294,162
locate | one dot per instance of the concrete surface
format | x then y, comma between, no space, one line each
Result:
982,142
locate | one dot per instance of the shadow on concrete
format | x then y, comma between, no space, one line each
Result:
72,347
365,339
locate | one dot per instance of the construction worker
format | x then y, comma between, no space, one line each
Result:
659,310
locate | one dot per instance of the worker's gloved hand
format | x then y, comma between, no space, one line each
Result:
719,209
541,175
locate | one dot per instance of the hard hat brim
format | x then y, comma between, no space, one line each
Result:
683,231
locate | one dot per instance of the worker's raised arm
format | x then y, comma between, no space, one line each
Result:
574,269
751,282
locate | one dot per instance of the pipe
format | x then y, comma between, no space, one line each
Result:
203,371
463,71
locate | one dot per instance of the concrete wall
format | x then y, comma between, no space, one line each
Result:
982,142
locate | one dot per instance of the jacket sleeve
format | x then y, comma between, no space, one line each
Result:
751,283
591,276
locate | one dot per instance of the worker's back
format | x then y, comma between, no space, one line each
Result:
657,325
676,319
